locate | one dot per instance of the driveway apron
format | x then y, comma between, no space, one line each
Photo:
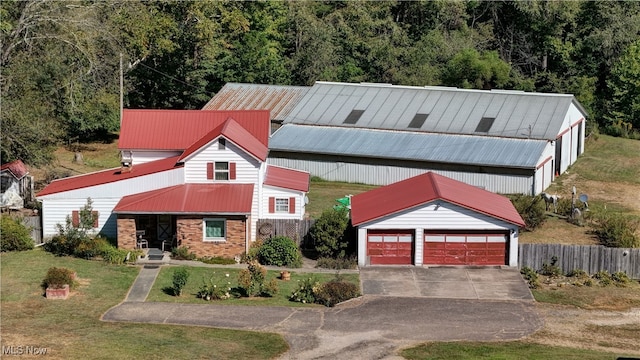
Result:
446,283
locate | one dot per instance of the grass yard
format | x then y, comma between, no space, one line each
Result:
71,329
513,350
612,297
323,194
161,288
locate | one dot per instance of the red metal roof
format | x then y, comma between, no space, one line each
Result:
179,129
108,176
235,133
287,178
191,199
425,188
16,168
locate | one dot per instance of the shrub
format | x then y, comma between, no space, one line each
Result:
56,278
62,245
552,269
280,251
530,276
252,255
620,278
252,281
306,291
15,236
90,248
603,277
531,209
337,264
615,230
335,292
210,290
182,253
330,233
180,278
578,273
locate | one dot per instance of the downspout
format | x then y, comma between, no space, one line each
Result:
247,226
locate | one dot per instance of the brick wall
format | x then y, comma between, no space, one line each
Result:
189,230
126,232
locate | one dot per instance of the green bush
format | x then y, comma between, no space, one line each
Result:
62,245
306,291
620,278
335,292
56,278
530,276
15,236
331,235
603,277
91,248
616,230
217,260
182,253
252,254
578,273
531,209
337,264
180,278
280,251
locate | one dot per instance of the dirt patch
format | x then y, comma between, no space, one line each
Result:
622,194
611,331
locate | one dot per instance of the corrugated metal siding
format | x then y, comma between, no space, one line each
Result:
518,114
278,99
387,174
443,148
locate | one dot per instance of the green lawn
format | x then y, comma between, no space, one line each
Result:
513,350
160,291
71,329
610,159
323,194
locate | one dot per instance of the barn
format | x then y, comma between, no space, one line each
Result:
501,141
430,219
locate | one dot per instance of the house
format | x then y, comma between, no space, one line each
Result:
430,219
16,185
191,178
501,141
278,99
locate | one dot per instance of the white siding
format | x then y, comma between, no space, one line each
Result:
430,216
388,174
144,156
270,191
545,173
247,167
56,207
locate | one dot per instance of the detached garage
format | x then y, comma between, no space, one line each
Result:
434,220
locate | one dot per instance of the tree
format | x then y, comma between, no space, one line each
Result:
624,86
470,69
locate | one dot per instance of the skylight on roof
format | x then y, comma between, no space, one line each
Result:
353,117
485,124
418,120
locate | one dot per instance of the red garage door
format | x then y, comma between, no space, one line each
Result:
390,247
465,249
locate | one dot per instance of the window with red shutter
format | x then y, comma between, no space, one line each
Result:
210,171
232,171
95,218
272,205
75,218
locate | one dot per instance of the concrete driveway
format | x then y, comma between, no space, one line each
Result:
479,283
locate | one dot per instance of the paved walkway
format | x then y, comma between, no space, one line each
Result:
369,327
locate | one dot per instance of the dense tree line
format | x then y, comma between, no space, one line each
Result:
61,59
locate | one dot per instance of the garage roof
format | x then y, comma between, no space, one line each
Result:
404,145
503,113
190,199
425,188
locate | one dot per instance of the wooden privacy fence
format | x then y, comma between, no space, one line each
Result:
590,258
297,230
35,226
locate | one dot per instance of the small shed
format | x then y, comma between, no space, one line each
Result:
16,185
430,219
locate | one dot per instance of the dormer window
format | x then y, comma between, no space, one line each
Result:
222,144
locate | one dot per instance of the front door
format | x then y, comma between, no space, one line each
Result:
165,228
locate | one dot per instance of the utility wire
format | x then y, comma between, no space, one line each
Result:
169,76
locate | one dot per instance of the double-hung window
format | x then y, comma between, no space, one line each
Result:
282,205
214,229
222,171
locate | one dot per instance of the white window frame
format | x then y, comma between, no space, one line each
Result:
282,207
214,239
225,173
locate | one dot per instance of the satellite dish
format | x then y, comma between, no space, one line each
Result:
306,199
584,198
